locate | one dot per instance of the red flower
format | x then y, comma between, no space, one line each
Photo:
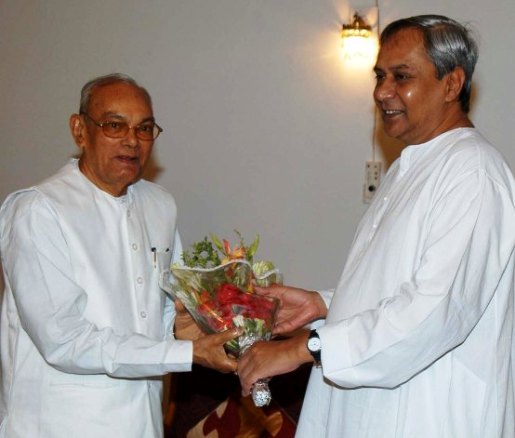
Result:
205,297
227,293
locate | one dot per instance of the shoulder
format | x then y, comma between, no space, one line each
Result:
472,144
468,150
67,182
20,201
25,206
470,156
39,199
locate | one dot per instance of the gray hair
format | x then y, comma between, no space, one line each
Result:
101,81
448,44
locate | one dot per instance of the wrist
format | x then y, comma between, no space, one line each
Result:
301,347
321,307
314,347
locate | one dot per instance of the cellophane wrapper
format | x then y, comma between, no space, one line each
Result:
220,299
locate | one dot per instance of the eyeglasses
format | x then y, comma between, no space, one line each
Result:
116,129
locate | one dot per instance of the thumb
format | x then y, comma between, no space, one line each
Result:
262,290
179,307
229,335
274,290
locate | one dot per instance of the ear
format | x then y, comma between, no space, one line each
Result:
454,84
78,130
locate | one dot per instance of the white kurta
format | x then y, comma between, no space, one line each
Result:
85,328
419,338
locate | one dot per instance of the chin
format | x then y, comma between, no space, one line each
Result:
127,180
394,133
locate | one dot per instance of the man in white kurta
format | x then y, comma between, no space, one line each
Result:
85,328
417,340
420,336
67,245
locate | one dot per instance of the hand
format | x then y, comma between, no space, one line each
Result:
209,352
297,308
185,326
272,358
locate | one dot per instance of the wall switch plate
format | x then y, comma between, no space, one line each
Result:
372,179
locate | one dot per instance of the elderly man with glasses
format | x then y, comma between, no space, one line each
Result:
85,329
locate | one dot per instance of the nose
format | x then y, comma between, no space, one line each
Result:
130,138
384,89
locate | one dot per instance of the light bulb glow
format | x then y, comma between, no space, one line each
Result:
354,47
359,45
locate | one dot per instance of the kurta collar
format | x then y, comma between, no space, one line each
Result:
412,153
122,200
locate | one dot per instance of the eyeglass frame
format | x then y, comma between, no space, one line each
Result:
102,124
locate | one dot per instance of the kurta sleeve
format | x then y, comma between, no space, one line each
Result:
51,304
466,245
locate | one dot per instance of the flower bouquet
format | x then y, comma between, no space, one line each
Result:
215,285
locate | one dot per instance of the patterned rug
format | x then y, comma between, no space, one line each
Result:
238,417
209,405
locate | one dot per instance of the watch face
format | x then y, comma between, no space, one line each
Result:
314,344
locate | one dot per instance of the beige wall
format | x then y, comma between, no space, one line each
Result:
1,283
265,129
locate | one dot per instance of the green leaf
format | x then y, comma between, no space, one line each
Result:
201,255
217,242
253,247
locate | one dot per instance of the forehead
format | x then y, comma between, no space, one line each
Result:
119,98
404,48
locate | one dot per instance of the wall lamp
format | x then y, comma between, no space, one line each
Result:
357,39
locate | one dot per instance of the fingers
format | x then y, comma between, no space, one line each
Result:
273,290
209,351
244,373
229,335
216,341
230,365
281,329
250,368
179,307
272,358
261,290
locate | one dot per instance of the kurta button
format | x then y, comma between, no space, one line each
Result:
143,314
128,213
139,280
134,246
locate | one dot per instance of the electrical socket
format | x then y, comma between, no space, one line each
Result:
372,179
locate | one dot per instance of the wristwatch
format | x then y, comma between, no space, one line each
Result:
314,346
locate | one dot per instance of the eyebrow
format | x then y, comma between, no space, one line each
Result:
394,67
119,116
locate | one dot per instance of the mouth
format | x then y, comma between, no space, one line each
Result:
392,112
127,158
